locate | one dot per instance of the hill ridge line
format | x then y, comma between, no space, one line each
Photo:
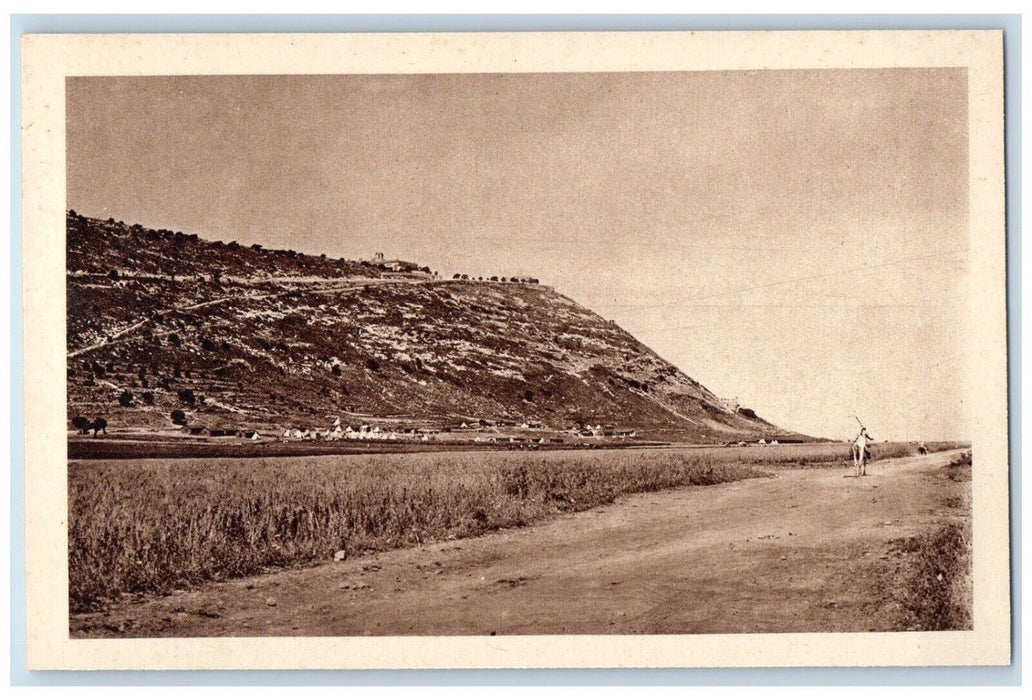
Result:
205,336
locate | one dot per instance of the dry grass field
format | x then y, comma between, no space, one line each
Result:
153,526
933,585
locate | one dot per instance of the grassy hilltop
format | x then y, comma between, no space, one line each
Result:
232,335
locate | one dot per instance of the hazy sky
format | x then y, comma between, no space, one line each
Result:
794,238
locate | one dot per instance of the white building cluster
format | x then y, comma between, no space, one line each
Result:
364,431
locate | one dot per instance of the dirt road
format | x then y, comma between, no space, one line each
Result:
804,550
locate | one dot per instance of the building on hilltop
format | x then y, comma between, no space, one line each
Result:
397,265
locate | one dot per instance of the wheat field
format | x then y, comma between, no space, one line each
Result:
152,526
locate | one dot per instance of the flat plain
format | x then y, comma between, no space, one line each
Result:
674,540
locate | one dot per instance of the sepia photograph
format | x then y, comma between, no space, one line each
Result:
498,354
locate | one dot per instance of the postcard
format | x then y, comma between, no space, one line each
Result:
515,350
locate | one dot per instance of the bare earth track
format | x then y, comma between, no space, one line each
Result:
805,550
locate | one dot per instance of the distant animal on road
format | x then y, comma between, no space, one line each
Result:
861,452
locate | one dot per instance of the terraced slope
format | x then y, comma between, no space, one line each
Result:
160,321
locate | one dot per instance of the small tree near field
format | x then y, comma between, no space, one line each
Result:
99,424
178,417
126,399
82,424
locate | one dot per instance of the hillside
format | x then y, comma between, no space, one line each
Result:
244,337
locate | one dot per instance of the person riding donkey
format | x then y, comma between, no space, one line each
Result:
861,451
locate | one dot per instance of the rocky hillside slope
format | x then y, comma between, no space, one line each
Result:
161,321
